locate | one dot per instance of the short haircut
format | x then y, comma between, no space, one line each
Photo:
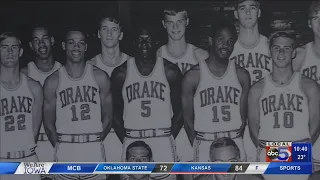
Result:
223,142
224,24
313,8
174,9
139,144
6,35
37,26
241,1
113,19
282,34
75,28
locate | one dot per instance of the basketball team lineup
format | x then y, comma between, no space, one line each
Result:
173,102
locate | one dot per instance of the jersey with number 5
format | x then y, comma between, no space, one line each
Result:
16,117
256,60
147,102
217,100
78,108
284,114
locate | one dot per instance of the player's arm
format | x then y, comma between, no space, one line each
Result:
244,79
24,70
37,92
200,54
189,86
312,91
117,81
105,94
174,77
254,110
49,106
298,59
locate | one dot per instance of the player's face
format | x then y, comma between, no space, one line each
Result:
223,44
247,13
176,25
10,52
225,154
145,47
314,23
75,46
41,43
138,154
109,34
282,52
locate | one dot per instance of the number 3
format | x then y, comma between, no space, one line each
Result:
258,74
146,110
9,124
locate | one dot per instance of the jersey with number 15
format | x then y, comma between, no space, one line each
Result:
78,107
256,60
284,111
217,101
147,102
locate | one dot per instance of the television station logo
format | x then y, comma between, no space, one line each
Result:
279,151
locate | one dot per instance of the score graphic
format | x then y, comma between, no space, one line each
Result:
279,152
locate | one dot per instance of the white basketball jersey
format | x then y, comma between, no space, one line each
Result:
284,114
147,102
39,75
217,101
185,62
311,64
16,117
255,60
78,103
108,68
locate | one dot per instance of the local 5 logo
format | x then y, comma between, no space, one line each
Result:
279,154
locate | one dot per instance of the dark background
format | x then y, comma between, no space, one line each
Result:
21,16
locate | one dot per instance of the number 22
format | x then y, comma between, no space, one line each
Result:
9,124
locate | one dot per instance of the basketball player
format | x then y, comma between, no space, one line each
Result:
42,66
315,176
78,107
251,51
139,152
184,55
21,103
214,96
226,150
283,106
110,34
146,93
307,62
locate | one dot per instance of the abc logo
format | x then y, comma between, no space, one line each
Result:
273,153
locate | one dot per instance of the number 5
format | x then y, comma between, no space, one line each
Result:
145,106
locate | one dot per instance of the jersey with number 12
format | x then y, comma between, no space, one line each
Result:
256,60
78,103
217,100
147,102
16,117
284,114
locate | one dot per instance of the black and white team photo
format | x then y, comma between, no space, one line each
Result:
142,82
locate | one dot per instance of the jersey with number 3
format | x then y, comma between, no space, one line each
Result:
311,64
147,102
16,117
284,114
217,101
78,103
256,60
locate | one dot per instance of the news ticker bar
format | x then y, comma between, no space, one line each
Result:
155,168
